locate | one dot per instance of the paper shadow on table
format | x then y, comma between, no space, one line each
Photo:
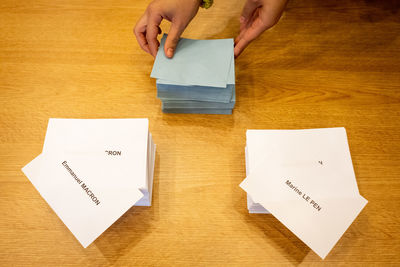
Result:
272,230
132,227
205,120
282,238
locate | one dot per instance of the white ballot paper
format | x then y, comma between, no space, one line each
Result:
91,172
305,178
252,206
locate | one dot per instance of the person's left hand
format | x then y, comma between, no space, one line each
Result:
257,16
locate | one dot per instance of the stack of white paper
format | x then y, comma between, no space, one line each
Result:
200,78
91,171
305,178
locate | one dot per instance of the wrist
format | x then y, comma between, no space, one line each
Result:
206,3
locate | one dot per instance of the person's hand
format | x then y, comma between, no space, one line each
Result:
257,16
178,12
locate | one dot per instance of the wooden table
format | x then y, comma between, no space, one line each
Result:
326,64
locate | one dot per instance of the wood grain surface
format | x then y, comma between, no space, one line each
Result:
325,64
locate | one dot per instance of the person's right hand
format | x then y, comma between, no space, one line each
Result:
178,12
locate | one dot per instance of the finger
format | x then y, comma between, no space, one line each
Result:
240,46
249,7
141,38
152,32
252,33
143,42
140,34
246,26
240,36
172,39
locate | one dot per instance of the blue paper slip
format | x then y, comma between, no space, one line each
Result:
187,104
196,93
207,63
198,111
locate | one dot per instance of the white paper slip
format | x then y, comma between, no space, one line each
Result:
306,201
305,178
148,190
88,193
327,146
33,169
125,139
91,171
251,205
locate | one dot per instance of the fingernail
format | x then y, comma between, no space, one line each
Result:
242,19
170,52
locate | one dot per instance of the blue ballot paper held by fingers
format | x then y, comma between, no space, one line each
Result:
200,78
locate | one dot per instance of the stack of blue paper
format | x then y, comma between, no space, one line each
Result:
200,78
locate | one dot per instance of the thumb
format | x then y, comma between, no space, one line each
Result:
249,7
172,39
